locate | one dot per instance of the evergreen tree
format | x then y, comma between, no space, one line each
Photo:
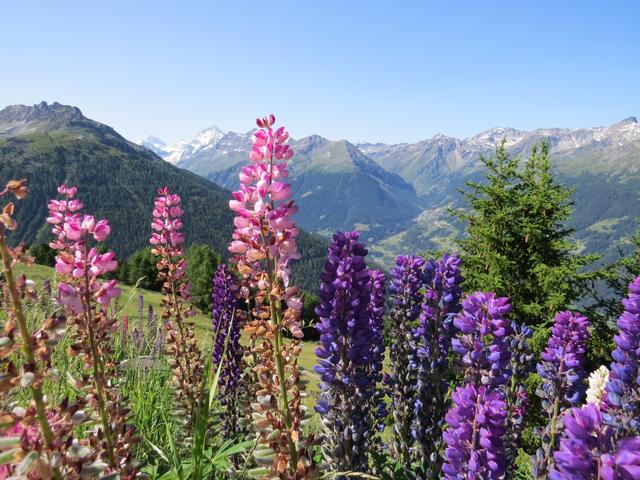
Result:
140,268
202,261
517,243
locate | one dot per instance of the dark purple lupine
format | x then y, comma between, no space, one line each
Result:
432,342
482,342
474,436
563,386
376,327
623,387
477,418
227,351
520,365
346,360
588,449
405,297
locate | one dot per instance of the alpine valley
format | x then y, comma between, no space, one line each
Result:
399,195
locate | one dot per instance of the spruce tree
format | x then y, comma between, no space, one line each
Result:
518,244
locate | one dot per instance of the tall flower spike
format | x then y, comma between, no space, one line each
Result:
377,349
521,365
263,245
588,450
562,372
226,320
186,359
483,318
474,434
86,297
348,363
432,339
623,388
407,281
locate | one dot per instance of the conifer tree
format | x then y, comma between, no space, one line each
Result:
518,244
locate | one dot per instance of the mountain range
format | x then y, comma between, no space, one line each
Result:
116,179
398,195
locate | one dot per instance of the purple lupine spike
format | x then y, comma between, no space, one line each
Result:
563,386
376,328
432,342
474,436
521,365
405,297
484,317
345,355
623,387
226,322
588,449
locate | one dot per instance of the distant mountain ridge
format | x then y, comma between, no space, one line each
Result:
398,194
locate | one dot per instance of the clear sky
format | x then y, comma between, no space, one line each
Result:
390,71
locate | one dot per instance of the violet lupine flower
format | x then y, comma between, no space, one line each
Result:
562,372
484,317
346,360
588,450
474,436
432,342
376,329
520,365
226,344
623,387
407,280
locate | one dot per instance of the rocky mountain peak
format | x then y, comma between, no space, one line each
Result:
23,119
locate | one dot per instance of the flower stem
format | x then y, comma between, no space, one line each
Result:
36,387
98,374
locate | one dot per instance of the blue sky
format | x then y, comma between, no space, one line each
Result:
364,70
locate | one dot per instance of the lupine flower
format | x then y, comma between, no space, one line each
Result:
562,372
432,340
476,425
348,364
623,388
520,365
484,317
376,327
86,298
588,449
263,245
407,281
167,244
227,350
597,385
80,265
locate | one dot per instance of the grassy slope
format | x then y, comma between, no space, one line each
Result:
129,304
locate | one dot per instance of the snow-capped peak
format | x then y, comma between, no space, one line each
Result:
181,149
